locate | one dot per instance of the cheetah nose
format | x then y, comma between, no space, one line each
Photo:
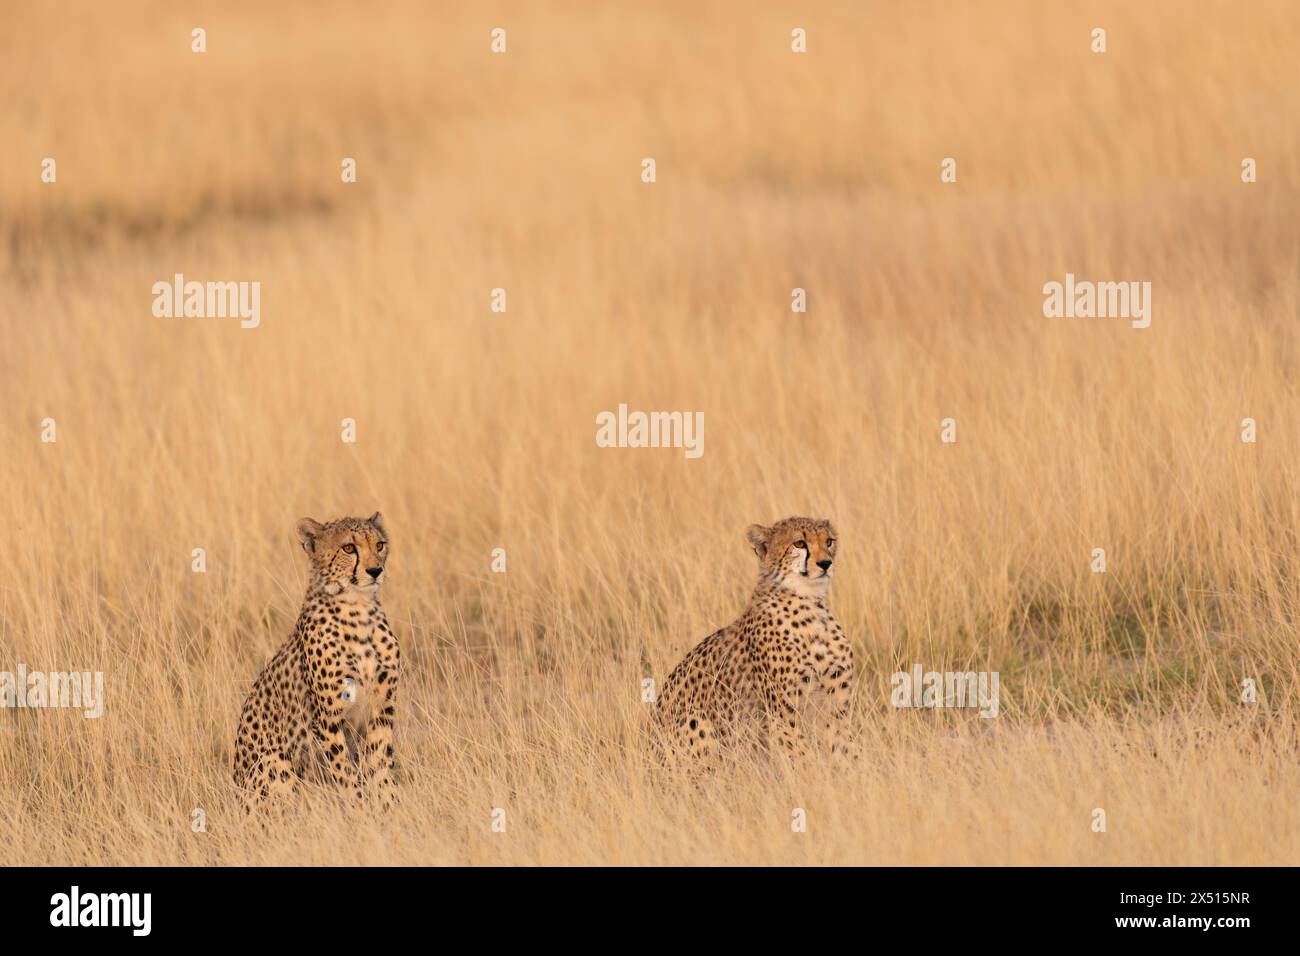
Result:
374,572
824,564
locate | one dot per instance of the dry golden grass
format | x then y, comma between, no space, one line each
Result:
521,690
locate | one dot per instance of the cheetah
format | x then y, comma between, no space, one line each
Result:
757,675
325,703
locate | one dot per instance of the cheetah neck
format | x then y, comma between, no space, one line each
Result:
769,592
318,591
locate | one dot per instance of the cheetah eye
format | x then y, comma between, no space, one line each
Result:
349,549
830,542
380,546
801,544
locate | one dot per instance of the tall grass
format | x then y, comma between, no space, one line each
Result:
521,690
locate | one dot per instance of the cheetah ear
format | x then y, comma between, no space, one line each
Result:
308,530
377,520
759,537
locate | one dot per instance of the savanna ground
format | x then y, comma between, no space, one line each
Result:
1120,690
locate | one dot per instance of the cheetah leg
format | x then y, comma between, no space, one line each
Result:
783,721
837,681
377,750
271,777
697,740
691,748
328,730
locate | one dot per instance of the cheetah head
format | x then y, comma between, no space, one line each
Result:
347,553
796,554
